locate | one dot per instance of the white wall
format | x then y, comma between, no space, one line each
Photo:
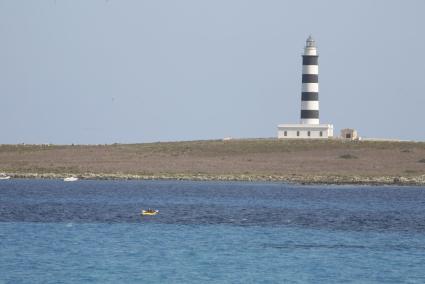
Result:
303,134
291,133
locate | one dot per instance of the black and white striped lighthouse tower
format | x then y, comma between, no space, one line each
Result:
310,84
309,127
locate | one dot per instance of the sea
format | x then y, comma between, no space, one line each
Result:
91,231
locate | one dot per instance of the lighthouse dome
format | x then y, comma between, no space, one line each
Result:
310,42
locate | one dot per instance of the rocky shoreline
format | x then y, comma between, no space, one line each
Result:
295,179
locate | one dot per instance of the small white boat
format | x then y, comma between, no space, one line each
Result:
4,176
70,179
149,212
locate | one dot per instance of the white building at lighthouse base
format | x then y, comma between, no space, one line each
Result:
305,131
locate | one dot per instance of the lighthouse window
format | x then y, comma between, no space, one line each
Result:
298,133
308,133
321,133
285,133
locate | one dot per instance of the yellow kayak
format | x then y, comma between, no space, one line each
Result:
149,212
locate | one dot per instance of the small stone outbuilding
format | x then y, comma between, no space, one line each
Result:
349,133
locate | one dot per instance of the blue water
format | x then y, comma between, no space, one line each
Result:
209,232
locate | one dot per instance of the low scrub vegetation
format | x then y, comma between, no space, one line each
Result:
348,156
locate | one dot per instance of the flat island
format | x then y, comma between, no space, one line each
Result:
299,161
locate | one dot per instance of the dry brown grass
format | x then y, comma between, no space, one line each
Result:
256,156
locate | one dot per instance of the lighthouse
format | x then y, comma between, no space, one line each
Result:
310,84
309,126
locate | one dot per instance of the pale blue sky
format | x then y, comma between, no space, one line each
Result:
96,71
